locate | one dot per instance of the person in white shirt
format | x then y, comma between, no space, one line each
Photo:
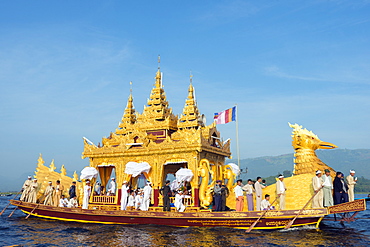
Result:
146,197
73,203
63,202
327,189
26,188
351,182
258,188
317,184
280,191
87,191
131,201
265,204
239,195
112,188
138,200
180,207
124,195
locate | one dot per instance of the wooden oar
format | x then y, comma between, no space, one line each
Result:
300,211
10,215
32,211
9,203
263,214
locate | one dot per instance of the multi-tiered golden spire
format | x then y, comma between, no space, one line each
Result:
129,116
190,113
157,113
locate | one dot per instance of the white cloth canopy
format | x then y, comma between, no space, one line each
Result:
235,168
184,175
89,173
135,169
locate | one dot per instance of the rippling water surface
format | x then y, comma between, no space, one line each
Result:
40,232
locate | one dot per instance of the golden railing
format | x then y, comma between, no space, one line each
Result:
104,199
187,201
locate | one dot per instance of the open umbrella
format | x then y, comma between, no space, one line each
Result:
89,173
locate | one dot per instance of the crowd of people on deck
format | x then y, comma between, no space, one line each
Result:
327,192
53,195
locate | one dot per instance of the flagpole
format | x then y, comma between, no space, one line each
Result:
237,134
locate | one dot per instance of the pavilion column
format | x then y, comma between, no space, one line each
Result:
156,199
196,197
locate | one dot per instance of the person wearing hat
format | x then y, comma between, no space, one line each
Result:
258,188
49,190
166,193
32,197
317,184
280,191
248,188
87,191
59,188
26,189
327,189
217,195
112,188
351,181
146,196
125,189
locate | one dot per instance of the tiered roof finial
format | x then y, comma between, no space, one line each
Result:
129,116
190,113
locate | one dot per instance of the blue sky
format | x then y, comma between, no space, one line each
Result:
65,68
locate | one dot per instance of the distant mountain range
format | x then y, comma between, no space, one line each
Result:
339,159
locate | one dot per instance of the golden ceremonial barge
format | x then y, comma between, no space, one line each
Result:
169,143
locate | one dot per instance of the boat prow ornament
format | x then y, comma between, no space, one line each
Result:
148,146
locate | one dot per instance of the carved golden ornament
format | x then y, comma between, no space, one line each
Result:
357,205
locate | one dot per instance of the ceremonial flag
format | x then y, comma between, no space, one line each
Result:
225,116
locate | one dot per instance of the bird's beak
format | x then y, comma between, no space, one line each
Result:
327,145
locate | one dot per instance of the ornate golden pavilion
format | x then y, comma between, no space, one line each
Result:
167,143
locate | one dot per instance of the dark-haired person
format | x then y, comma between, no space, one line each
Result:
59,188
258,188
72,190
166,193
217,195
265,204
248,188
239,195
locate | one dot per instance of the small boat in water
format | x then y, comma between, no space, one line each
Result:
155,144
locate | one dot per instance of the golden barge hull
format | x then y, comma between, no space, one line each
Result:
241,220
274,219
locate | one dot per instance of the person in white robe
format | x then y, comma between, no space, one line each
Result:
32,197
327,189
87,191
131,201
280,191
49,194
258,188
179,205
26,188
138,199
351,182
265,203
98,189
112,188
317,185
73,203
124,195
146,197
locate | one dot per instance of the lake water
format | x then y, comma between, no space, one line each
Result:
40,232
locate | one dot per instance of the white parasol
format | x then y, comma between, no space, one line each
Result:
184,175
135,169
89,173
235,168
